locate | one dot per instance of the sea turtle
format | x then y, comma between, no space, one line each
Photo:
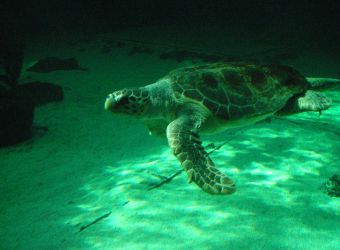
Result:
214,97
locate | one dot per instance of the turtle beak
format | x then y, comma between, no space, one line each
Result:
114,101
109,102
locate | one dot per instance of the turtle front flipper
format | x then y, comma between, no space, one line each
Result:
186,146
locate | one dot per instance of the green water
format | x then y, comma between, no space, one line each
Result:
89,181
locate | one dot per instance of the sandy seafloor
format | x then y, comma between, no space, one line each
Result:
90,162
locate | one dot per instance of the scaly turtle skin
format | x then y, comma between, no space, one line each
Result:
211,98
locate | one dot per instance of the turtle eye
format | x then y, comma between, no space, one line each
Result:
119,101
124,100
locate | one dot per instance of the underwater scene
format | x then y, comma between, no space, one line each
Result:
170,125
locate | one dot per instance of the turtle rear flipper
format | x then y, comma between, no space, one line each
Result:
310,101
186,146
321,84
313,101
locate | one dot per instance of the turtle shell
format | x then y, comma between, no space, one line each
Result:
235,90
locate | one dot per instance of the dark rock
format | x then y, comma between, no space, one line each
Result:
274,55
11,53
39,93
140,50
120,44
106,49
332,186
16,118
109,45
4,89
17,109
50,64
181,55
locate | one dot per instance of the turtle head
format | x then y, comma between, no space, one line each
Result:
127,101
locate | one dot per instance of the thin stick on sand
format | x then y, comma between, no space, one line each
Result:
95,221
171,177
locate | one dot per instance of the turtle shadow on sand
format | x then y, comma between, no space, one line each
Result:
50,64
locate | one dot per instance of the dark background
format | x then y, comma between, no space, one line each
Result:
316,21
